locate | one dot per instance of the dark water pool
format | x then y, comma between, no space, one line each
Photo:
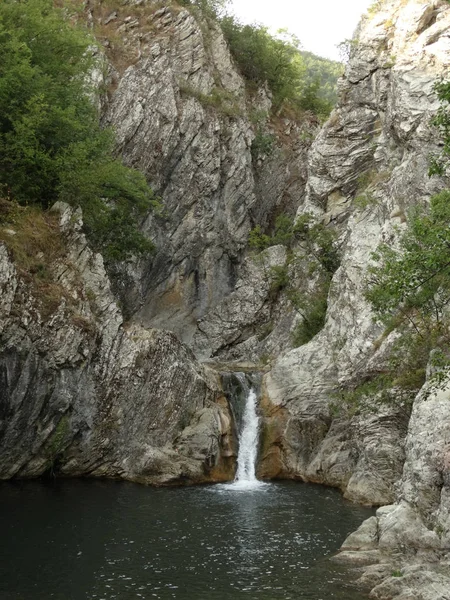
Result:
83,540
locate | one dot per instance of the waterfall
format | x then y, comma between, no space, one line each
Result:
243,399
248,440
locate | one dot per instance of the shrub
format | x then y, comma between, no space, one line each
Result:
279,278
34,239
397,385
262,144
313,310
317,240
264,58
283,234
316,247
51,144
441,121
409,290
413,282
209,8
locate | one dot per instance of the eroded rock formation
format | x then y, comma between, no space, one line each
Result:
183,116
375,146
84,393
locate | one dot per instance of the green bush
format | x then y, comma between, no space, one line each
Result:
279,278
397,385
319,241
208,8
264,58
283,234
317,248
441,121
409,290
263,144
313,310
295,77
51,144
412,282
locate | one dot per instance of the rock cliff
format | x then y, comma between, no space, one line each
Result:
89,388
183,115
85,393
367,168
376,148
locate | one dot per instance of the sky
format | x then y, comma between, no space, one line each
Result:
320,24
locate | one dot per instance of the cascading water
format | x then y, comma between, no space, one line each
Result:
248,441
244,405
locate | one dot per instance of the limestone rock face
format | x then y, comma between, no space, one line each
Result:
182,116
83,393
367,167
412,537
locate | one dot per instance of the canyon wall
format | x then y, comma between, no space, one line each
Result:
104,378
85,393
375,146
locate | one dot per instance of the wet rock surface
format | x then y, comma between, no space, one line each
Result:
89,391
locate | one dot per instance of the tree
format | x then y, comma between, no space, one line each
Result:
412,283
51,144
441,121
279,62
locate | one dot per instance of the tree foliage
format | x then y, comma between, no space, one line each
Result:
411,283
295,77
292,76
441,121
312,245
323,75
51,144
409,289
209,8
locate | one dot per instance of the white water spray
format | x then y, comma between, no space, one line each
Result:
245,479
248,441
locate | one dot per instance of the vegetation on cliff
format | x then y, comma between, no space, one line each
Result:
297,79
408,286
313,245
51,144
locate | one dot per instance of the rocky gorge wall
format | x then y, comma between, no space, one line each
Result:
85,393
375,147
381,130
91,388
184,116
94,389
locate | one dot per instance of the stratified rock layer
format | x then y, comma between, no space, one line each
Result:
85,394
367,168
183,116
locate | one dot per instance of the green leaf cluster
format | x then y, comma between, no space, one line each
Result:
323,74
317,240
441,121
293,77
51,144
412,282
316,246
409,289
396,386
209,8
313,309
297,79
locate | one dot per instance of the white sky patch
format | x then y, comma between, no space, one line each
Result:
320,26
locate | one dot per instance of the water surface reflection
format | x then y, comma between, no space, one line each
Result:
83,540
